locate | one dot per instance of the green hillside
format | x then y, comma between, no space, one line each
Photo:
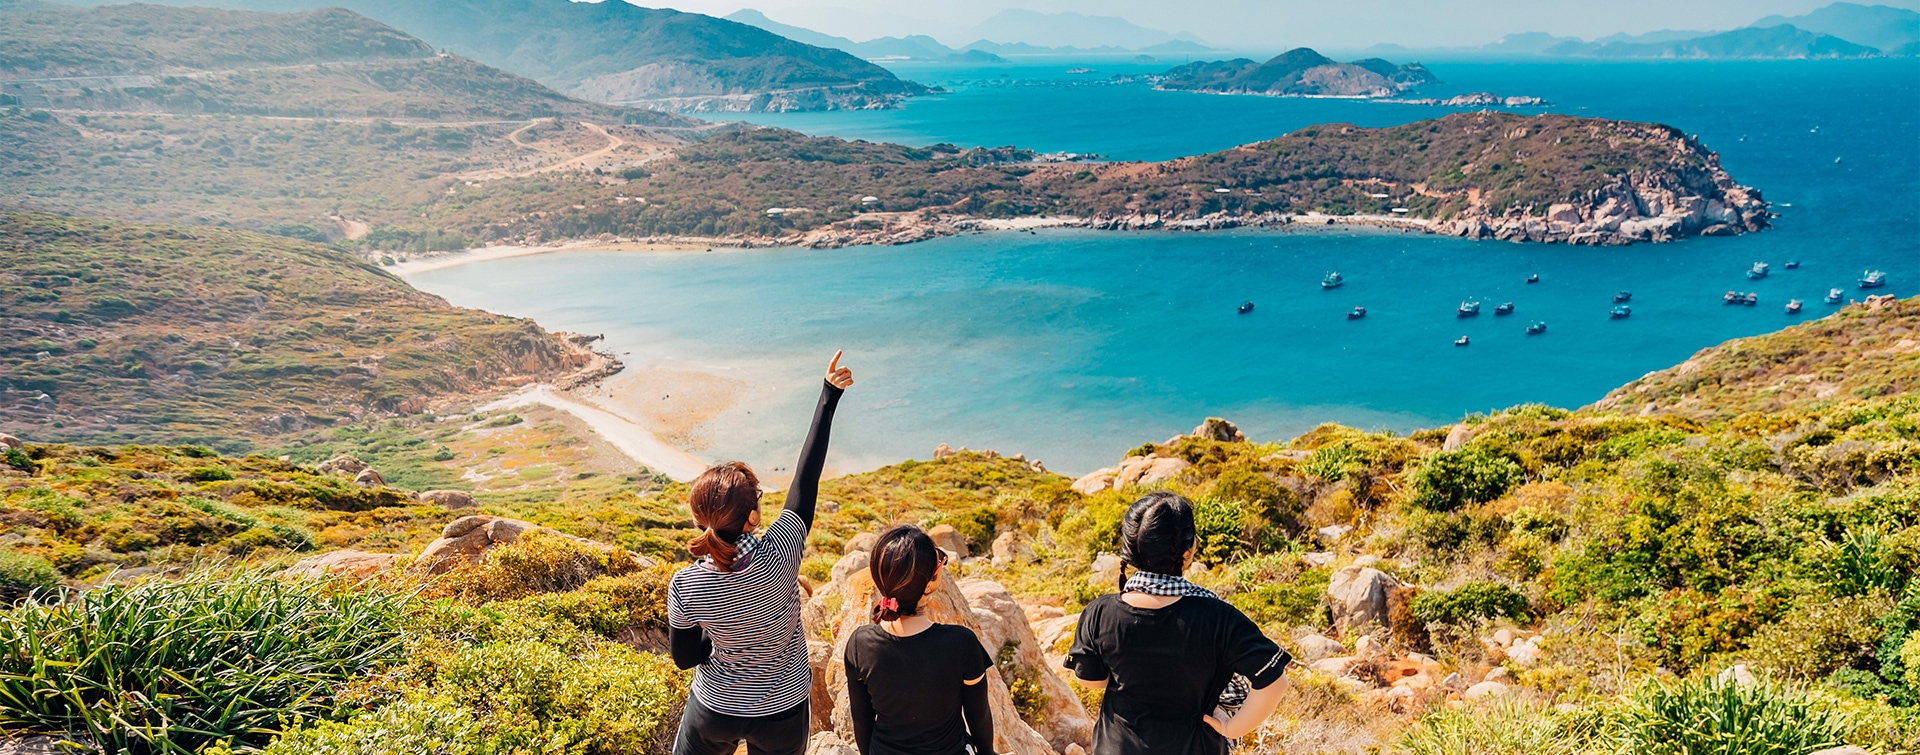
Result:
1649,554
47,40
141,333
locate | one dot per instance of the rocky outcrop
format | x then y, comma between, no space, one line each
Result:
8,441
1012,548
344,563
467,539
949,539
368,478
1001,621
1359,596
1215,428
846,603
343,465
452,499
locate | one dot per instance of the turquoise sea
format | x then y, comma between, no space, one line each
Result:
1073,346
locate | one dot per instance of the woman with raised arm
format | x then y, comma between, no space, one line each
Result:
1165,649
915,687
735,613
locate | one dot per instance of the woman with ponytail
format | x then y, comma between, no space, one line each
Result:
1167,650
915,687
735,613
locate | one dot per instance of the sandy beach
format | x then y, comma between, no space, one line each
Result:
415,265
639,444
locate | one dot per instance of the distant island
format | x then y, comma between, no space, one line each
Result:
1836,31
1300,72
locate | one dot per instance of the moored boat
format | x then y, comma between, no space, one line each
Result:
1793,307
1834,295
1792,265
1469,308
1873,279
1356,313
1732,297
1333,280
1534,278
1461,342
1246,307
1623,296
1534,329
1758,271
1751,299
1504,309
1622,312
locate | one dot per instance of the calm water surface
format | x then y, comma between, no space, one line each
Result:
1073,346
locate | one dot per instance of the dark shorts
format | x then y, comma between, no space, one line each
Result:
704,732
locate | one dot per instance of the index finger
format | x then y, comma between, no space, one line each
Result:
835,364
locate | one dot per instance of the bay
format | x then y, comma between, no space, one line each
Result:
1072,346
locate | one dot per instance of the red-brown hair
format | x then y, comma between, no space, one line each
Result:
722,499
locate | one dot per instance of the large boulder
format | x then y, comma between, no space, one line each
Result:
1001,621
1096,481
344,465
1105,570
1219,429
1358,595
452,499
367,478
861,543
1457,438
467,539
1314,647
1012,547
8,441
344,563
829,743
846,603
1147,470
949,539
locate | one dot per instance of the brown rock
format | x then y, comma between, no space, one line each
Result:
1219,429
825,743
1012,547
1358,595
468,538
345,563
943,451
821,697
1096,481
949,539
367,478
8,441
1000,620
861,543
342,464
1457,438
452,499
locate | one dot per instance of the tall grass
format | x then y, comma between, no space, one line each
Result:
1714,717
168,667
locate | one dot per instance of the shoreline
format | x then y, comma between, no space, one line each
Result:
636,442
828,238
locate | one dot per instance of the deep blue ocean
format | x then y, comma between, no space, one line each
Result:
1073,346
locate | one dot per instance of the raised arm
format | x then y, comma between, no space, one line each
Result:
805,490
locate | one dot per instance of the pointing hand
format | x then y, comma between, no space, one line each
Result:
839,377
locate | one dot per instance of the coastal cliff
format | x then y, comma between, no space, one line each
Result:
1299,72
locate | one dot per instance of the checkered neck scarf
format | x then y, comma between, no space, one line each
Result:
1176,586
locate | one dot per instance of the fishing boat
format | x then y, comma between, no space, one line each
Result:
1246,307
1333,280
1504,309
1534,278
1622,312
1751,299
1623,296
1873,279
1793,307
1469,308
1356,313
1834,295
1534,329
1733,297
1461,342
1758,271
1792,265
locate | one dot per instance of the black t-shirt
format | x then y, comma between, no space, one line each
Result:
1165,669
915,683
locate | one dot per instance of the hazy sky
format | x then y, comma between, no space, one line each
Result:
1275,24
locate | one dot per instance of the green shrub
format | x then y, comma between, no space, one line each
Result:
1218,530
1822,635
169,666
536,562
209,474
1333,463
23,574
1448,480
1468,603
607,605
529,696
977,526
1504,727
428,725
1714,717
18,459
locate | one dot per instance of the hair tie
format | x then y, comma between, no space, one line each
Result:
890,604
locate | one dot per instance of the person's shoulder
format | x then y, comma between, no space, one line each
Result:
956,633
1102,604
686,574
